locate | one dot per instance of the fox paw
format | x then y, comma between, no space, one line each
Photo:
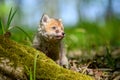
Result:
64,62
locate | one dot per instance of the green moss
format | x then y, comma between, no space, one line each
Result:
46,69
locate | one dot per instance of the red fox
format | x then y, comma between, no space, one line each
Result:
49,39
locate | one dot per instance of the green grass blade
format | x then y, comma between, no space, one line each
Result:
12,16
24,33
110,60
26,68
8,21
30,72
35,61
1,25
31,76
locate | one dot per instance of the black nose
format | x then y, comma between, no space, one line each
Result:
63,33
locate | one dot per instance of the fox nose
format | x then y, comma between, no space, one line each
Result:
63,33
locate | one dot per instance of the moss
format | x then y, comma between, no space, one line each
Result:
47,69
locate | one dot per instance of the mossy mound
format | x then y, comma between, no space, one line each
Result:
14,57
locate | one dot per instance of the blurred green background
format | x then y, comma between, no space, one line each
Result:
89,24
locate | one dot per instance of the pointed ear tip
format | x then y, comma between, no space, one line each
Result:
45,14
45,18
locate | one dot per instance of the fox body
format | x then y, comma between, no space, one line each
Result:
49,39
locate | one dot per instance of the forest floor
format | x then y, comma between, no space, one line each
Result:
102,65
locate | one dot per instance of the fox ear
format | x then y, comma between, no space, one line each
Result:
45,18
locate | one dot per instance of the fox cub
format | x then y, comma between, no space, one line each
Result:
49,39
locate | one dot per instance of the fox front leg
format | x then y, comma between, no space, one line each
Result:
63,59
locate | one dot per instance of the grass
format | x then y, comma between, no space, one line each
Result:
25,32
35,61
89,35
80,38
10,18
7,28
110,61
32,74
1,26
29,72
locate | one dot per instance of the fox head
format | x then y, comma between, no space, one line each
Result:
50,28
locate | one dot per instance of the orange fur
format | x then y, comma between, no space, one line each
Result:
52,23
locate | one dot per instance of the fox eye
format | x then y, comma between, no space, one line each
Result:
54,27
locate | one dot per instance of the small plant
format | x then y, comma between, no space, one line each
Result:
30,72
6,28
32,75
10,18
109,59
35,61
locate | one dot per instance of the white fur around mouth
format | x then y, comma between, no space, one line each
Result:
59,37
